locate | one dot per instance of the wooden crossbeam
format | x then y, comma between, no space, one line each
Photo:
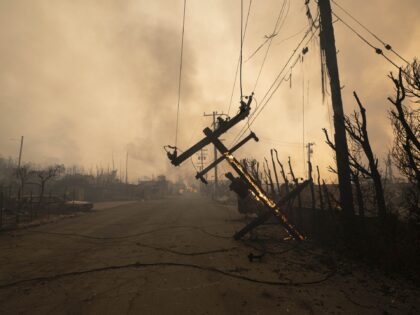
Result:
266,215
223,126
200,175
253,187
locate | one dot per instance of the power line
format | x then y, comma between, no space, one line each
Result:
292,36
273,88
242,46
268,37
279,142
387,46
239,59
180,74
259,109
377,50
271,37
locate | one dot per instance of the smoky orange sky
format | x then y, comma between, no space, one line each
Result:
86,80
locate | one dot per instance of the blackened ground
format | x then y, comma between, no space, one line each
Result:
176,256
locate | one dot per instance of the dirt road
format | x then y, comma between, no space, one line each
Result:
176,256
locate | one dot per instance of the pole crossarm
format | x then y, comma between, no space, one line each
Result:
223,126
200,175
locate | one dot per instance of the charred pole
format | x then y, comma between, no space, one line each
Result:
327,40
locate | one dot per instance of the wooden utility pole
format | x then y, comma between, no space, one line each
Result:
201,157
310,151
328,47
20,152
216,180
126,168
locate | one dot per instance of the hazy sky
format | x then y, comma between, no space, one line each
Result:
85,80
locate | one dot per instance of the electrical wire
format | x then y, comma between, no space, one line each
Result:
242,46
377,50
275,85
133,235
387,46
276,29
293,36
239,59
138,265
180,74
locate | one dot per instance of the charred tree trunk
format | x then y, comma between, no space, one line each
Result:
313,201
321,199
268,174
275,172
296,181
283,174
327,196
359,194
359,133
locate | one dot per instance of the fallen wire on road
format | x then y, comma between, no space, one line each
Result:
263,249
133,235
138,265
222,250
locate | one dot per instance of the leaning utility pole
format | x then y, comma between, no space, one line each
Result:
342,155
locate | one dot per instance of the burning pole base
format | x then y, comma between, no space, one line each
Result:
244,184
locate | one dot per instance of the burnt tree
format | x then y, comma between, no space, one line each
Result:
283,173
295,180
46,175
275,172
356,127
406,123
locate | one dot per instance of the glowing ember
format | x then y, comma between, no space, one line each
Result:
260,196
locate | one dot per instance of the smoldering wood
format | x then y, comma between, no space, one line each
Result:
254,187
266,215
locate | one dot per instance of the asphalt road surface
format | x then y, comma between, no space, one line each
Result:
176,256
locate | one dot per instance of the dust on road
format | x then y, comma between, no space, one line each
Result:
177,256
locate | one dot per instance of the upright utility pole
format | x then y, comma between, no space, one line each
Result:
328,47
215,114
20,152
216,184
311,184
202,156
310,151
126,169
201,159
